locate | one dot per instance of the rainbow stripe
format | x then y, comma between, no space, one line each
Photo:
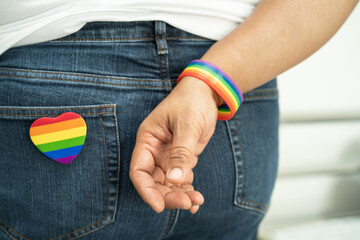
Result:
218,80
60,138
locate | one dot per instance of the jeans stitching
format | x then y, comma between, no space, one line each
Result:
241,158
174,221
83,75
107,168
90,231
81,81
117,185
264,90
234,157
251,208
40,115
159,57
13,231
118,163
7,233
243,173
162,34
99,107
107,199
256,203
169,226
100,39
260,96
173,37
122,39
157,35
107,194
166,60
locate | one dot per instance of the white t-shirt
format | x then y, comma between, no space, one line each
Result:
25,22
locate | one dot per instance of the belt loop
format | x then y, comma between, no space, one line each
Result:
160,37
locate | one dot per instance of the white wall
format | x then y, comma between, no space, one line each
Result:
319,172
328,82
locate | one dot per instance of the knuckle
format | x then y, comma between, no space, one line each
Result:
141,128
181,154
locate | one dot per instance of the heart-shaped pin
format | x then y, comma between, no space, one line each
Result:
60,138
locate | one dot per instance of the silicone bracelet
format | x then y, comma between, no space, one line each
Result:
218,80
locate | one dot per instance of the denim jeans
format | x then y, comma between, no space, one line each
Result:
114,74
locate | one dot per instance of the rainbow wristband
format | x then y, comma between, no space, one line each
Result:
218,80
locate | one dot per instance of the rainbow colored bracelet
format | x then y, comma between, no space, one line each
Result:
218,80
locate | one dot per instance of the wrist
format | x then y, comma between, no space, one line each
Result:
195,83
219,101
216,79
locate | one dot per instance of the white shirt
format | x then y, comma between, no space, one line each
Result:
24,22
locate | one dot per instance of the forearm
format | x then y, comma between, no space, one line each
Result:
278,35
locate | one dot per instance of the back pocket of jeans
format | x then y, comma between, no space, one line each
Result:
44,199
253,132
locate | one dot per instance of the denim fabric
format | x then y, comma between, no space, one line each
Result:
114,74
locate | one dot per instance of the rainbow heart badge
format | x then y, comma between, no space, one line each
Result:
60,138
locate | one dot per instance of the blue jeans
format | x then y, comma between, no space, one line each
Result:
114,74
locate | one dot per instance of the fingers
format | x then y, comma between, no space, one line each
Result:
186,136
175,200
158,175
194,209
141,167
183,197
196,197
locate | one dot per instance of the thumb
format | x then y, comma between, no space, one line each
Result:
182,154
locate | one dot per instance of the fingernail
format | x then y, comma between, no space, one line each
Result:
175,173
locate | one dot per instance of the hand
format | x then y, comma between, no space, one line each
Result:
168,143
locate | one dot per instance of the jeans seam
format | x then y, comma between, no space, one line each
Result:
163,39
7,233
260,96
239,204
81,81
159,50
166,59
241,158
81,75
255,203
107,168
174,37
117,185
100,39
157,36
171,222
13,231
107,193
250,207
166,78
118,164
99,107
40,115
264,90
243,170
235,163
121,39
107,197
